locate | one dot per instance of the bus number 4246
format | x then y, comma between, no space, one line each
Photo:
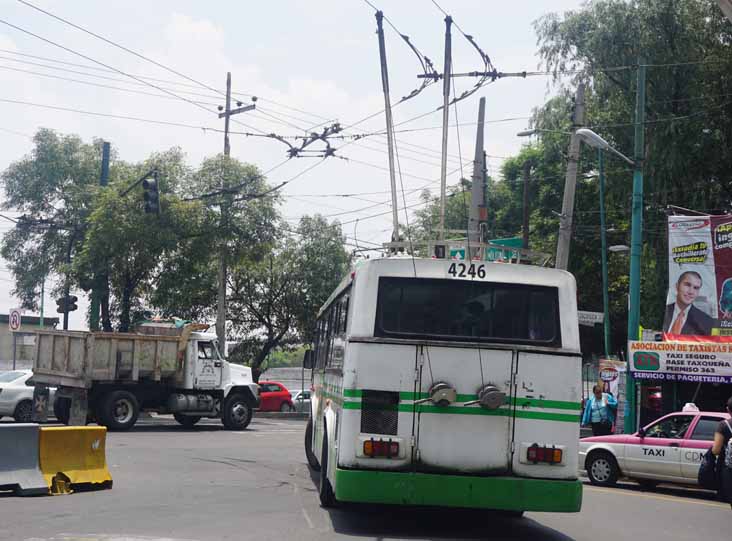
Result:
463,270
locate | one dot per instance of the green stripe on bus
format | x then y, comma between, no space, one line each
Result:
477,410
549,404
352,393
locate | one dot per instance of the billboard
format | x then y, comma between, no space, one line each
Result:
699,299
681,361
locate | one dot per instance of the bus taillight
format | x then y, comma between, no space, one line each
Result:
548,455
380,448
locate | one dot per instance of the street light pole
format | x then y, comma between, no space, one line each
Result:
603,243
636,240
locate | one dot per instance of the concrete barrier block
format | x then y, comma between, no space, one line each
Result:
19,469
75,454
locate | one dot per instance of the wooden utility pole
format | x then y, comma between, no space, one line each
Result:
221,308
477,191
446,81
570,183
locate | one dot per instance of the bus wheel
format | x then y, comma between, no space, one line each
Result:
312,460
327,497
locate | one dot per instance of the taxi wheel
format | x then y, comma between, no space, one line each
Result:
602,469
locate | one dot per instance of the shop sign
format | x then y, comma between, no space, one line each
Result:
682,361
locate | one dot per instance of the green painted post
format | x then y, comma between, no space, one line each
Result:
636,239
96,293
603,246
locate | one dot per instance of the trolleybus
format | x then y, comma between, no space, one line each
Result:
448,383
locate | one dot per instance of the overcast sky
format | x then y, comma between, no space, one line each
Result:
308,63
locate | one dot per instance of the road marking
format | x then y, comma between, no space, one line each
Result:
676,499
307,518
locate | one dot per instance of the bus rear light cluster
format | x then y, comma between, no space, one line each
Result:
380,448
548,455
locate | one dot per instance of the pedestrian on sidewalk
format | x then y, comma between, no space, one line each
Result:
600,412
722,448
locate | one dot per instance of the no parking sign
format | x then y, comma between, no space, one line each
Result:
14,319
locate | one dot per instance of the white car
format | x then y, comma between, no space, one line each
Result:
16,395
669,450
301,400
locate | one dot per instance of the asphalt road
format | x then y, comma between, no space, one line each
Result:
210,484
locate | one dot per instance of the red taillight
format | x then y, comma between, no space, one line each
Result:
549,455
381,448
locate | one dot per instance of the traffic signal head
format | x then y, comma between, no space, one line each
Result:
151,194
66,304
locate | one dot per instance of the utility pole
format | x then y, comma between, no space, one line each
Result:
525,229
96,289
570,183
221,308
477,191
636,237
603,247
446,81
389,124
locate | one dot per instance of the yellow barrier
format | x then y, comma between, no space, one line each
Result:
76,452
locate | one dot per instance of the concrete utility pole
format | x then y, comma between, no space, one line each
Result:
389,124
446,81
570,183
477,191
221,308
525,230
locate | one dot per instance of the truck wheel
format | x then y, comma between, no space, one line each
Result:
602,469
312,460
23,412
62,410
327,497
237,413
186,420
119,411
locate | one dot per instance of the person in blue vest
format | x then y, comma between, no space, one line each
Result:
600,412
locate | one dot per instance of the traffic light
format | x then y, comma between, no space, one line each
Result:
66,304
151,194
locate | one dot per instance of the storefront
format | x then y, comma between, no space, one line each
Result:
671,374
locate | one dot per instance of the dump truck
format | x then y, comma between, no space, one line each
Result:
110,377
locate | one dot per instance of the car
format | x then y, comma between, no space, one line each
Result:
667,450
16,395
274,397
301,400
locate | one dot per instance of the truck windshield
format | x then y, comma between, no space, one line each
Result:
208,350
468,310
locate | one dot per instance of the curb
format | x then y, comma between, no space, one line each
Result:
280,415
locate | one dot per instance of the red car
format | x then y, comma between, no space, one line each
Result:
274,397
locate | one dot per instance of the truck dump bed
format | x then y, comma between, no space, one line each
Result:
76,359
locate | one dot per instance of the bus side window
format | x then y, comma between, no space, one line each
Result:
320,338
344,314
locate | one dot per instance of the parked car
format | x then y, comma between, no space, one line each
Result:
274,397
669,449
16,395
301,399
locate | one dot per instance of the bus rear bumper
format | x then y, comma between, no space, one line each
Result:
501,493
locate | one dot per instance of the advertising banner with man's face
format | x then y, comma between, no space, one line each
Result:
695,280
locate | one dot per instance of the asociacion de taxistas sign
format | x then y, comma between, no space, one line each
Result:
681,361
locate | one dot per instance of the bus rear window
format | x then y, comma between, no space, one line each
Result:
468,310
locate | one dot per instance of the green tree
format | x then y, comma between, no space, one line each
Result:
688,154
53,187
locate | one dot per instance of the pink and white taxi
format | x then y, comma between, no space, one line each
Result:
668,450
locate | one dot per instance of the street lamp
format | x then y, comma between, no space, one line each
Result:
619,248
528,133
590,138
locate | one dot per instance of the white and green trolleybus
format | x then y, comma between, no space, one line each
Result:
448,383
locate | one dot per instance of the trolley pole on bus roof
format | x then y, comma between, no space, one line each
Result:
389,123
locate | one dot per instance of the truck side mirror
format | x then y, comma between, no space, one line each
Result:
308,361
